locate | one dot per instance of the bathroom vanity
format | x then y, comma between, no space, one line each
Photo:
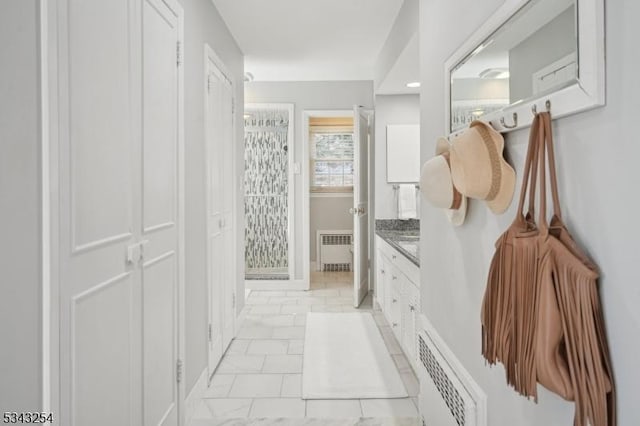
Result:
397,288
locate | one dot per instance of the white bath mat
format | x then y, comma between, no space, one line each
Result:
346,358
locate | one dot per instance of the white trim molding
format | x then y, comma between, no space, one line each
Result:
306,193
585,93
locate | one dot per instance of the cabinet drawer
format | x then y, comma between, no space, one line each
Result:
399,261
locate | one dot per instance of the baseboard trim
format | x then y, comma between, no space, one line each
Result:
195,395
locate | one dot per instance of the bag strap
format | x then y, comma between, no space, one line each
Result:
546,157
530,164
552,165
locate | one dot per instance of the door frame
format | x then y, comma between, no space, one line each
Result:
50,85
291,283
306,183
211,55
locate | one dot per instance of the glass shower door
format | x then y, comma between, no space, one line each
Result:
266,196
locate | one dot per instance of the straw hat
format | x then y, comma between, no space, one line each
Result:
478,169
437,187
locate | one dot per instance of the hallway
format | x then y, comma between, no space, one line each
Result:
260,374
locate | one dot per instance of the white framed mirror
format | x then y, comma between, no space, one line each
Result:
530,55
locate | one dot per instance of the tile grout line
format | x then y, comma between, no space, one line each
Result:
281,386
250,408
232,383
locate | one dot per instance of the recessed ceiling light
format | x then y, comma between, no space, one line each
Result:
413,84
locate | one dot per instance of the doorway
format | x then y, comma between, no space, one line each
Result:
336,207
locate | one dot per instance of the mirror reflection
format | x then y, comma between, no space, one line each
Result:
531,54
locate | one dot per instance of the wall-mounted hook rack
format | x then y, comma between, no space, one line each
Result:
510,126
547,105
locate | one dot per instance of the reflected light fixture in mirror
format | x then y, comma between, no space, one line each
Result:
413,84
531,54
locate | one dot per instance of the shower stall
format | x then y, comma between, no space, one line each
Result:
268,137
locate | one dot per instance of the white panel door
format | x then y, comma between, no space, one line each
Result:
160,165
214,202
228,229
100,293
118,144
360,208
220,227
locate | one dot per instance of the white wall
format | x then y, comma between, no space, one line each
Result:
204,24
597,156
404,28
315,95
328,212
390,109
20,189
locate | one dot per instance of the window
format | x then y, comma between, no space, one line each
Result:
331,157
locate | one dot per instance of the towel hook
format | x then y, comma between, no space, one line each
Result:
515,122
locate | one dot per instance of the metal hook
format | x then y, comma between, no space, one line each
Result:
515,122
547,104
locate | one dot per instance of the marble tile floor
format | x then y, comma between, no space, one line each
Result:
309,421
258,381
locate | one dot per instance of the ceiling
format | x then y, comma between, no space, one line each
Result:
306,40
405,70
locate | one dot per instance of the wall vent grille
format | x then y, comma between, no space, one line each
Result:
449,396
443,383
336,240
334,250
336,267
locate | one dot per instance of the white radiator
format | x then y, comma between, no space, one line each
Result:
448,394
334,250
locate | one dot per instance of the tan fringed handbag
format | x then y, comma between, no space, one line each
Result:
551,321
507,335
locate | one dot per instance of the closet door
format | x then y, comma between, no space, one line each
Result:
219,202
118,145
214,203
160,165
99,217
228,187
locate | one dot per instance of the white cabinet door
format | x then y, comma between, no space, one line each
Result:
380,279
411,309
396,303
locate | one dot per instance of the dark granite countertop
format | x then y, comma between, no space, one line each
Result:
404,237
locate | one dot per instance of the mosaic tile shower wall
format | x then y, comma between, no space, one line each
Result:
266,192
